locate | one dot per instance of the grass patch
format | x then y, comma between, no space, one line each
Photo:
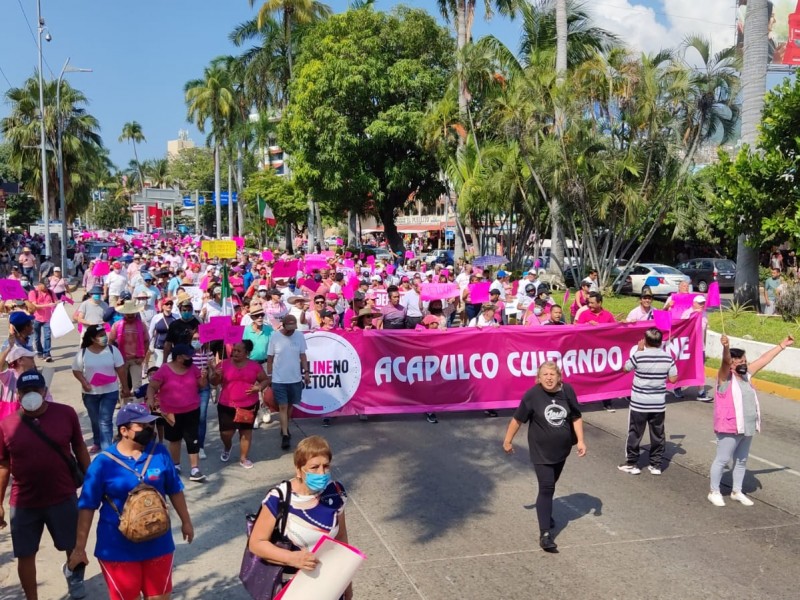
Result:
620,306
764,375
749,325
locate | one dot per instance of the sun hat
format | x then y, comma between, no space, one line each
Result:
129,308
256,309
96,290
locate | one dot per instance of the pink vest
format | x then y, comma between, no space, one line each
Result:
728,413
140,332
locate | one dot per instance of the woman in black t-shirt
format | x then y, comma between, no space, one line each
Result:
555,425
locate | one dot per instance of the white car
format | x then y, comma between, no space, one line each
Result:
663,279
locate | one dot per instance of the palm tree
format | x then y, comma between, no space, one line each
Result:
132,132
212,99
157,171
754,85
81,143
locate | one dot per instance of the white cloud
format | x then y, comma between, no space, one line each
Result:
642,29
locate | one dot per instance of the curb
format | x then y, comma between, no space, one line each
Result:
766,386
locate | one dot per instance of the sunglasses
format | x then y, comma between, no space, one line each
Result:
319,302
257,316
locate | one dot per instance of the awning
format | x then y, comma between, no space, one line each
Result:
407,229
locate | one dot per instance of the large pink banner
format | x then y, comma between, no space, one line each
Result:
388,372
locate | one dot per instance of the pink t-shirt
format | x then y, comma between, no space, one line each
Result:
603,316
178,392
43,315
237,381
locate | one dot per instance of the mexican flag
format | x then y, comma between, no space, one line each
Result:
267,213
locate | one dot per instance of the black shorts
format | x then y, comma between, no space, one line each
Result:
226,414
27,525
187,428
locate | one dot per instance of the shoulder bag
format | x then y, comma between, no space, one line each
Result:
145,515
261,578
74,468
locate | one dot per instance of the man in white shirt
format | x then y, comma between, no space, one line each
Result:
287,370
115,283
528,277
413,304
643,312
499,283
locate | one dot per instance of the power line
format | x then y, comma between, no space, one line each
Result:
3,73
33,36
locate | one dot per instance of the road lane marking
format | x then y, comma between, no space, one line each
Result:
783,468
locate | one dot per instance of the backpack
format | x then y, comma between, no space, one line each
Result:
145,515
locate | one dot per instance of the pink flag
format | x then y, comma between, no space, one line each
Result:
348,254
114,252
390,269
410,255
662,319
100,268
239,242
267,255
713,300
566,298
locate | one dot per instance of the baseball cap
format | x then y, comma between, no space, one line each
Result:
31,380
134,413
96,290
147,276
700,299
18,352
501,273
19,319
494,291
182,350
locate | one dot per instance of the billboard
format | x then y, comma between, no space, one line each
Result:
783,37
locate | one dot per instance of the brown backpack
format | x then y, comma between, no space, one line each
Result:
144,516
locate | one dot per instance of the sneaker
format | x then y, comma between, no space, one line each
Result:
48,359
547,543
203,454
431,418
266,418
632,469
225,456
608,407
326,422
678,393
716,499
653,470
741,498
196,475
285,443
75,581
246,463
490,413
703,396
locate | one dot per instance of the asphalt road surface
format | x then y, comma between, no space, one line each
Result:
443,514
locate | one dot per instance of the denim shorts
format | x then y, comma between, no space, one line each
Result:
287,393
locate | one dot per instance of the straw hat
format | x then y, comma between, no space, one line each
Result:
129,308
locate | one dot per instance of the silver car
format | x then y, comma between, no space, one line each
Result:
662,280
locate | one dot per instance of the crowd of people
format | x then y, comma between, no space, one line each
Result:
141,356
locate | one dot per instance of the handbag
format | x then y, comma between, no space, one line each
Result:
72,464
261,578
244,416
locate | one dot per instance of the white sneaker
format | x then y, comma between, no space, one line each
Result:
716,499
632,469
740,497
266,417
203,454
653,470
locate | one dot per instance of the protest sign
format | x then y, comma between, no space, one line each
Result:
267,255
101,268
115,252
233,334
439,291
239,242
219,248
479,292
337,564
60,322
285,268
11,289
662,319
679,304
210,333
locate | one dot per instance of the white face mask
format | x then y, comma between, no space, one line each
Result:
32,401
537,311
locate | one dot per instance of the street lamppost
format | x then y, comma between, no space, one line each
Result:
45,199
61,199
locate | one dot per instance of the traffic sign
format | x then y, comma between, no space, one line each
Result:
449,234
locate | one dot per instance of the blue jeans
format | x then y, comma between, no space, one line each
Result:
41,332
205,395
101,412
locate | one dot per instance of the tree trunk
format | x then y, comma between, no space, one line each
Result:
217,192
386,213
556,267
459,246
318,220
231,223
239,186
312,229
754,84
561,38
352,229
138,167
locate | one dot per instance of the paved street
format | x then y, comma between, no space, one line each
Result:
443,514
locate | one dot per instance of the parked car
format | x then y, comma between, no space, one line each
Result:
379,253
94,249
705,270
440,256
664,279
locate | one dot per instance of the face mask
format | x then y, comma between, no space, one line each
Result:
187,314
103,340
96,297
537,311
144,437
196,345
32,401
187,362
741,369
316,483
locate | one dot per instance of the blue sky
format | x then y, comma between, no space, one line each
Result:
143,52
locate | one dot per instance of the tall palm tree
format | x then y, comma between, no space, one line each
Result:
211,99
132,133
81,142
754,85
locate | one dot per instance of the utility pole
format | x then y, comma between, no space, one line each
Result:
45,197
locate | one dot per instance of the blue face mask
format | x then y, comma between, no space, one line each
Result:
187,314
316,483
96,297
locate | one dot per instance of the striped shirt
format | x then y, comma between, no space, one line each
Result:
650,367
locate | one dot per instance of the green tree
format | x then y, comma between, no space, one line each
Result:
286,200
111,213
21,211
356,106
132,133
193,169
